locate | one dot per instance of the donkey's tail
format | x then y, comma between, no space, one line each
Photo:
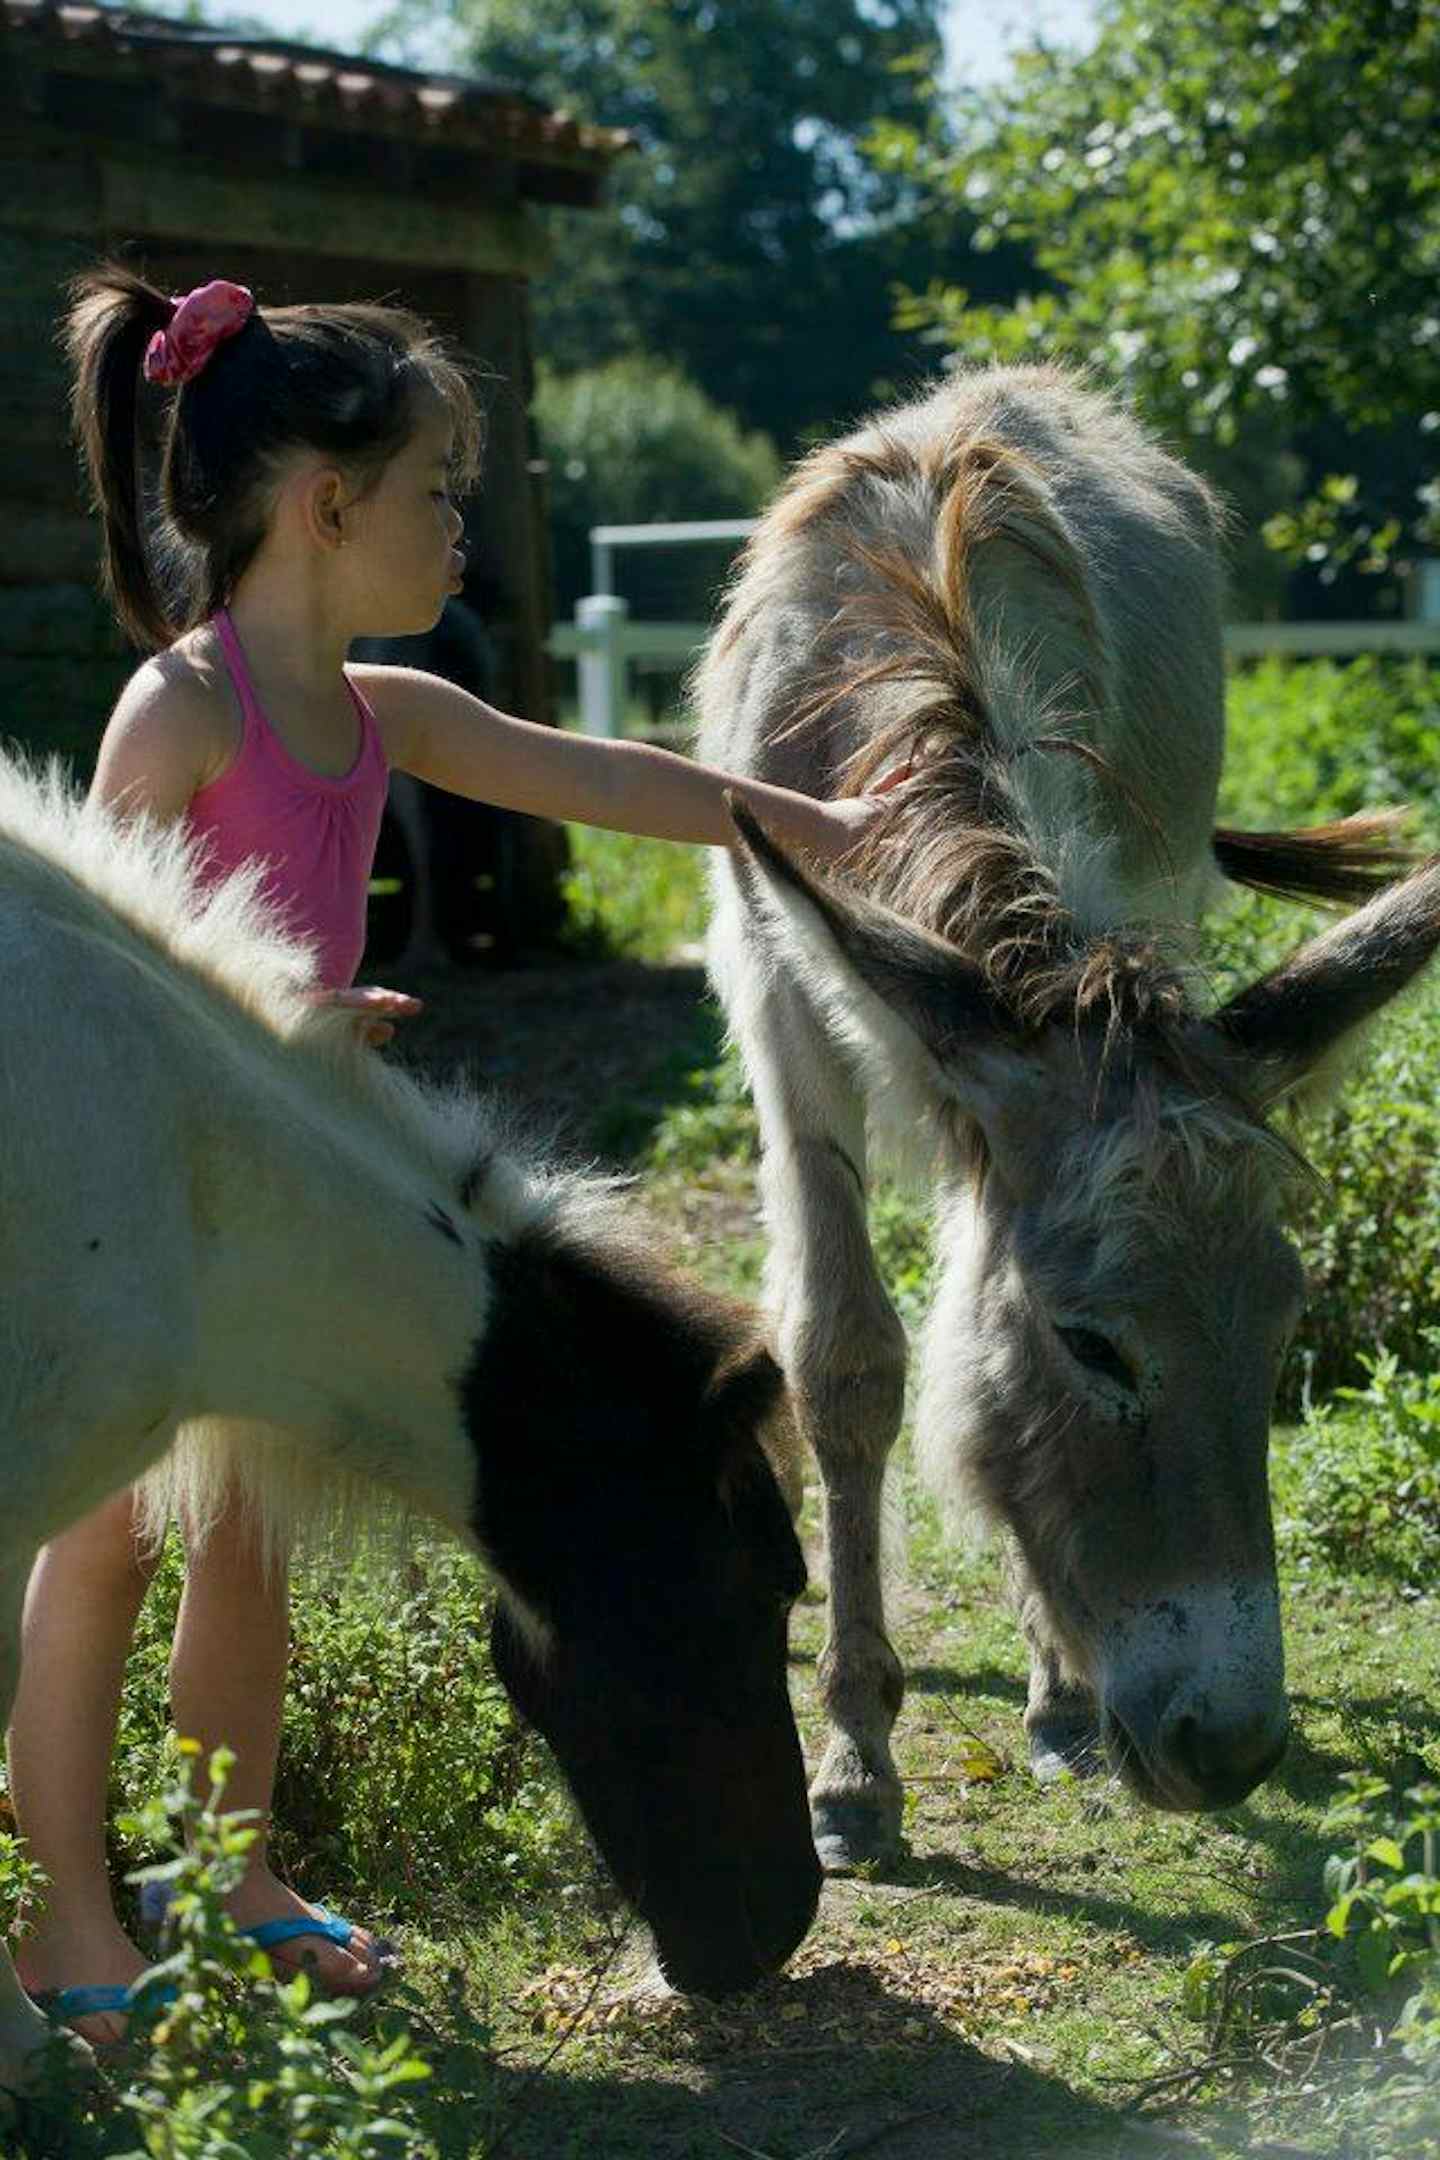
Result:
1338,865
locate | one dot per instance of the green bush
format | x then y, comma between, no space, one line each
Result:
904,1251
405,1776
221,2060
632,898
1307,742
1370,1235
637,441
1368,1228
406,1786
713,1122
1360,1484
1340,2023
1317,739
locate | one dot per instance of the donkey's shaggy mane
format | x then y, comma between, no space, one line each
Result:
985,845
982,845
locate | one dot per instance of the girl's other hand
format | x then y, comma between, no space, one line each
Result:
377,1010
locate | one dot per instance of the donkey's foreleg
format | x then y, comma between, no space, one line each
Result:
843,1350
1062,1718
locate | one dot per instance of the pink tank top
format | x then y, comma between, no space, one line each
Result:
315,833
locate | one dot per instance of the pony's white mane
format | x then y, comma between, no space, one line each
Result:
149,876
139,887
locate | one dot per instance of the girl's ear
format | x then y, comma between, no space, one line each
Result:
323,499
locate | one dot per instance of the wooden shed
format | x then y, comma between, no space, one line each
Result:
308,175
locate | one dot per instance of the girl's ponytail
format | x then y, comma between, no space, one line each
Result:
113,316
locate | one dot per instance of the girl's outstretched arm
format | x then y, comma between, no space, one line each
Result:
440,733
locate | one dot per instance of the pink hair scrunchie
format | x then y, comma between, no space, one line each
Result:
202,320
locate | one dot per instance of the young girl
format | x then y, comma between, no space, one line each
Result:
307,465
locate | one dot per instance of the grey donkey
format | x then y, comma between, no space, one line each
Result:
1000,605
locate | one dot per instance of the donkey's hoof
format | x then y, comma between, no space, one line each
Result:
1065,1747
857,1831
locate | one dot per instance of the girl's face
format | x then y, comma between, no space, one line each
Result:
404,533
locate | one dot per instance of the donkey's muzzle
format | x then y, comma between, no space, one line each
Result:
1224,1764
1190,1759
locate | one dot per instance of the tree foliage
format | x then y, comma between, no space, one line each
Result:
1235,205
633,441
748,239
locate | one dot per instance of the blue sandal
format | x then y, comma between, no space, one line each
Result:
64,2005
269,1934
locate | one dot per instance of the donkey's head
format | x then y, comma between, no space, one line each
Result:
648,1566
1114,1294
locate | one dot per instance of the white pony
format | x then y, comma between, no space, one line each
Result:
214,1205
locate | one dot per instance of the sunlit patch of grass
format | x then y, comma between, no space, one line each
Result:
634,899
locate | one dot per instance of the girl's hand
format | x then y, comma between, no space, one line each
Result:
842,825
377,1010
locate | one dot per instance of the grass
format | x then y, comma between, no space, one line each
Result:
638,899
1024,1970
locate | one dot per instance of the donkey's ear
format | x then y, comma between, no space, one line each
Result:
1294,1024
745,1390
890,990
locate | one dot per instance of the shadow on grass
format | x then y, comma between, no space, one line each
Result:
622,1126
983,1680
592,1056
945,1875
827,2061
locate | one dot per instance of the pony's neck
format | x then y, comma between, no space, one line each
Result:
342,1297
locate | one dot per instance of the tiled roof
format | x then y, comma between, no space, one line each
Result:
328,88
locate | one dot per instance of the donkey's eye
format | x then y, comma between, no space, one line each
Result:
1097,1354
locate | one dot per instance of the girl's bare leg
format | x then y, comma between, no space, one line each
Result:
227,1684
84,1596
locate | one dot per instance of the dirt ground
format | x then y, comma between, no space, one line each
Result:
561,1037
588,1052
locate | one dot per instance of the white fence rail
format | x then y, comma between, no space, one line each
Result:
690,532
603,641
